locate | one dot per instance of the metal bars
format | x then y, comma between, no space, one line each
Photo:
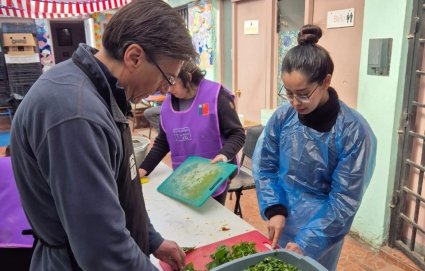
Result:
406,227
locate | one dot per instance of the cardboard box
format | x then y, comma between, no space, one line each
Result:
19,43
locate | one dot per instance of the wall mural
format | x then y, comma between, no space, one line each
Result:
201,27
44,41
287,40
100,19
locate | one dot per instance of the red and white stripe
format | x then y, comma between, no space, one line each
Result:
55,8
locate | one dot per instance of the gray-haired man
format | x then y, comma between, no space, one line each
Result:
72,151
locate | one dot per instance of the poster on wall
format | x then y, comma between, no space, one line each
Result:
202,31
287,40
100,20
44,41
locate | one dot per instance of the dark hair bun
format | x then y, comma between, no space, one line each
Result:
309,34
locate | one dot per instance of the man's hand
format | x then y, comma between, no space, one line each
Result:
142,172
275,227
219,158
172,254
294,247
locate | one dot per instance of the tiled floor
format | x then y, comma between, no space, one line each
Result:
355,256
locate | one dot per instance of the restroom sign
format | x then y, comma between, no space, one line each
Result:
340,18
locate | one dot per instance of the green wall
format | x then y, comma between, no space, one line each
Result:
213,74
379,101
227,44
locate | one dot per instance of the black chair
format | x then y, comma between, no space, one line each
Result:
244,180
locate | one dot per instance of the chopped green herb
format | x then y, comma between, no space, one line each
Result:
272,264
224,254
243,249
220,256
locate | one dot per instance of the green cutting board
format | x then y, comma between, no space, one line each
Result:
195,180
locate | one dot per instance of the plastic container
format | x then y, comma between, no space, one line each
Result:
140,145
304,263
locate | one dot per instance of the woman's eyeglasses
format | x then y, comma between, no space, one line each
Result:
283,93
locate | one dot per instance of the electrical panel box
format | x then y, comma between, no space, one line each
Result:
379,57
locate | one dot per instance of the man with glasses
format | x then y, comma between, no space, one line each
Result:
72,151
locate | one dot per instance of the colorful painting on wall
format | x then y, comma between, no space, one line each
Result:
287,40
100,19
47,59
201,27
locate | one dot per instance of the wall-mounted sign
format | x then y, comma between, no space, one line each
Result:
340,18
250,27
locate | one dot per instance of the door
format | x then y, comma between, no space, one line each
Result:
66,35
343,44
254,61
407,228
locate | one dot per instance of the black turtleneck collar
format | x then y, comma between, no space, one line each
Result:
323,118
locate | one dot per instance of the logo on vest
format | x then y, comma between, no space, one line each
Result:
182,134
203,109
133,167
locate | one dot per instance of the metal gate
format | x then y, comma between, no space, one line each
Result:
407,228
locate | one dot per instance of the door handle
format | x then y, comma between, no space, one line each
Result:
238,93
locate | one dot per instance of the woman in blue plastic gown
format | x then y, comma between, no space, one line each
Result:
315,158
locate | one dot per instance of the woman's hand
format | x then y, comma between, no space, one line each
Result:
275,227
294,247
142,172
172,254
219,158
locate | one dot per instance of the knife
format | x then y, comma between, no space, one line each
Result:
188,249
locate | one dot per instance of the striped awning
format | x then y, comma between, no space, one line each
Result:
39,9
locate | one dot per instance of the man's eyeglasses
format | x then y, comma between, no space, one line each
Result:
170,79
283,93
